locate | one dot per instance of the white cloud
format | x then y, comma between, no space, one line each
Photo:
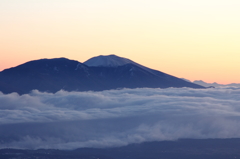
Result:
68,120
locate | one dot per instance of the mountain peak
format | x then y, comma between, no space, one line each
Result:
107,61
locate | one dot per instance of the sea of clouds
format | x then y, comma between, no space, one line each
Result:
69,120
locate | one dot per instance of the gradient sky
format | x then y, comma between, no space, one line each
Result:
193,39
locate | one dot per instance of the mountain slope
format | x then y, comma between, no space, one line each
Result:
52,75
47,75
116,61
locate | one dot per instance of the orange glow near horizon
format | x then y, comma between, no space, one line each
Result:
188,39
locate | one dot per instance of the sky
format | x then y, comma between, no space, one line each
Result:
196,40
70,120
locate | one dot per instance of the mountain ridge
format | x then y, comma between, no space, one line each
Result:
215,84
52,75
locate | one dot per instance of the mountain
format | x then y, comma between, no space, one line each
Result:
52,75
205,84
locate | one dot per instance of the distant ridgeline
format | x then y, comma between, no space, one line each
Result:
96,74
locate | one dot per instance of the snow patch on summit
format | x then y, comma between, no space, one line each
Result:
115,61
107,61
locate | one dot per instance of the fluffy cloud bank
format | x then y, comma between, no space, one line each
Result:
68,120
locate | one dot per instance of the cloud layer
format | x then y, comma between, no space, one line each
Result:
68,120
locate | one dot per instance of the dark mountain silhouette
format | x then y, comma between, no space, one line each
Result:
205,84
52,75
181,149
